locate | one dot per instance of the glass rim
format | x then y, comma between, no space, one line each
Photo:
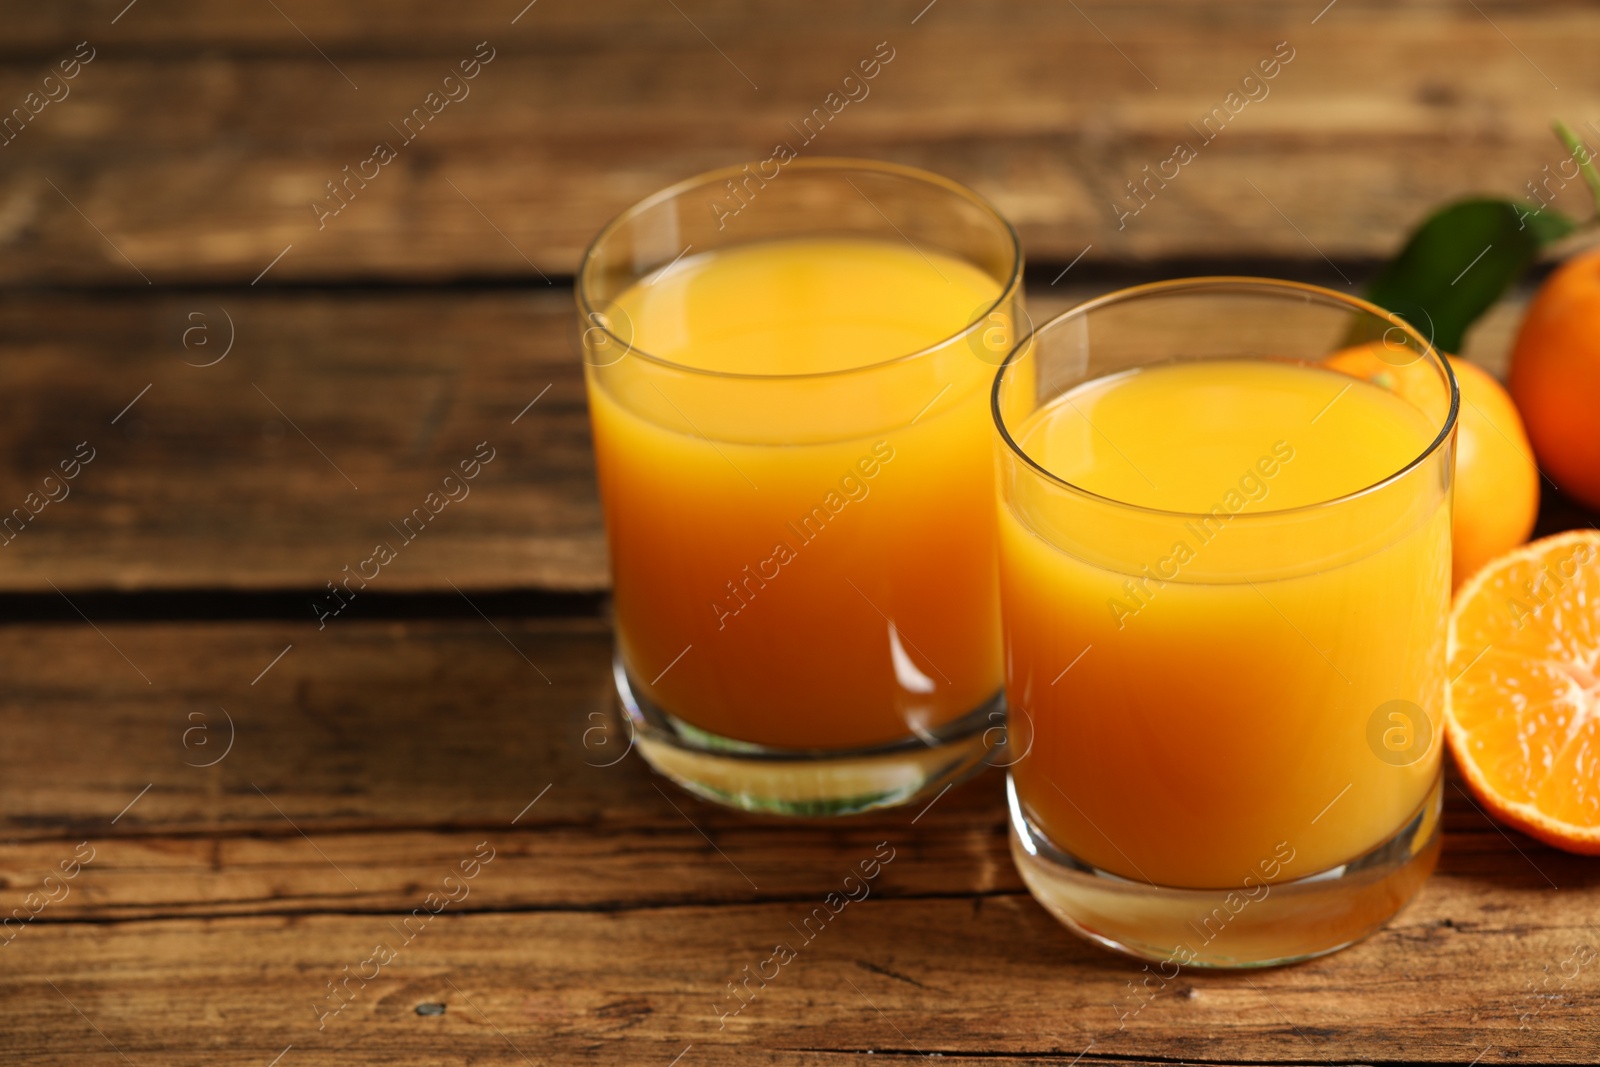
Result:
819,163
1276,287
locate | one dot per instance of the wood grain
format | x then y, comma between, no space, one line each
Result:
208,483
606,925
193,146
416,727
266,800
397,745
955,978
332,418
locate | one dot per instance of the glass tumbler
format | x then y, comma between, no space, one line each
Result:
1225,577
788,368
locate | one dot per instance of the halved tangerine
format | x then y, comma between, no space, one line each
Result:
1523,709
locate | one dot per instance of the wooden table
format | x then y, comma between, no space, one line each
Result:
255,806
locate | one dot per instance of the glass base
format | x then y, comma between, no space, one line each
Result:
1291,921
809,781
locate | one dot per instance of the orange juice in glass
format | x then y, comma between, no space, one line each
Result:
1225,575
790,416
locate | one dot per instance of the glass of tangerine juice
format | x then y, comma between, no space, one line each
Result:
788,388
1225,578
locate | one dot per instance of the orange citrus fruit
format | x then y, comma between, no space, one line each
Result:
1497,484
1522,712
1555,376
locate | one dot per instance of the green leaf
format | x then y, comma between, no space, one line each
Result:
1548,226
1459,262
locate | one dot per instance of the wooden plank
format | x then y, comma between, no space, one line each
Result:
326,425
415,27
351,736
207,483
207,172
394,741
654,858
329,422
612,914
957,978
401,727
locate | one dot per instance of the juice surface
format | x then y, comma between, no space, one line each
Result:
803,306
782,584
1174,436
1192,724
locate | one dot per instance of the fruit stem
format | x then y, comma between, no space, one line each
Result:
1583,158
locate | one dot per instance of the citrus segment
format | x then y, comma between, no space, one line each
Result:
1523,712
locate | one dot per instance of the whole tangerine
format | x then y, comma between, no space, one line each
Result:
1555,376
